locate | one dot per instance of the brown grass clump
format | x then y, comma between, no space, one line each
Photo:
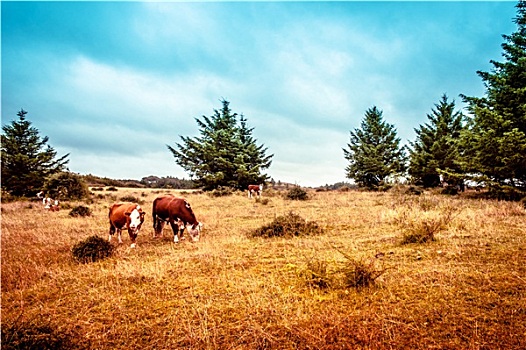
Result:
289,225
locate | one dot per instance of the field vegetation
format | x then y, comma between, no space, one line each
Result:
382,270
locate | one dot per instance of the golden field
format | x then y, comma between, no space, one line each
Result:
466,289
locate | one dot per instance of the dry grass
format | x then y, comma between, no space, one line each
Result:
464,290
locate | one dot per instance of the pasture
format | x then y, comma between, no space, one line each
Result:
465,289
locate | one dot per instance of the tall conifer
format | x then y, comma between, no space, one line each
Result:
374,151
436,149
495,142
225,154
27,159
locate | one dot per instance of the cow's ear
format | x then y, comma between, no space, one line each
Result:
127,213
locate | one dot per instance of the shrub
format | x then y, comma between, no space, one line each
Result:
289,225
80,211
37,334
423,231
297,193
92,249
132,199
360,274
221,192
112,188
66,185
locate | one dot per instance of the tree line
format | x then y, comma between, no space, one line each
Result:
486,146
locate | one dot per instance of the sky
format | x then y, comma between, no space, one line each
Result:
114,83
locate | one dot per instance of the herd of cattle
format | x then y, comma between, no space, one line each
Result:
166,209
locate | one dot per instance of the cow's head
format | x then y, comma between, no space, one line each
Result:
194,231
134,220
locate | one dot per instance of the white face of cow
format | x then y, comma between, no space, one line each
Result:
194,231
135,220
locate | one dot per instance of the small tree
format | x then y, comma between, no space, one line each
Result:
495,141
226,154
27,159
436,149
374,151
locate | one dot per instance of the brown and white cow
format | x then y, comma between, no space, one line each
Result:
126,216
255,189
178,213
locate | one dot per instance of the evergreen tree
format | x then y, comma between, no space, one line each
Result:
495,141
27,159
374,151
436,149
226,154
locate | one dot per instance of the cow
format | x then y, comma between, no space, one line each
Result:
126,216
51,204
178,213
255,189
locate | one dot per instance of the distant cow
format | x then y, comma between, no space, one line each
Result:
50,204
255,189
126,216
178,213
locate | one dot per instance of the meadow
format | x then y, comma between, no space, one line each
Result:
463,288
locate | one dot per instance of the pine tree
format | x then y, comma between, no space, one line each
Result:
495,141
226,154
436,150
27,159
374,151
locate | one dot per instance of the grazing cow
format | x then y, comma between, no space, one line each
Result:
126,216
178,213
255,189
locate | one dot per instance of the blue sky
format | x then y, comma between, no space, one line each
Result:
112,83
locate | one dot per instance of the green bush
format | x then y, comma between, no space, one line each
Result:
92,249
80,211
289,225
297,193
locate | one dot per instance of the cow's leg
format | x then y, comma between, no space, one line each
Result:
249,194
158,227
112,232
119,233
133,237
175,229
